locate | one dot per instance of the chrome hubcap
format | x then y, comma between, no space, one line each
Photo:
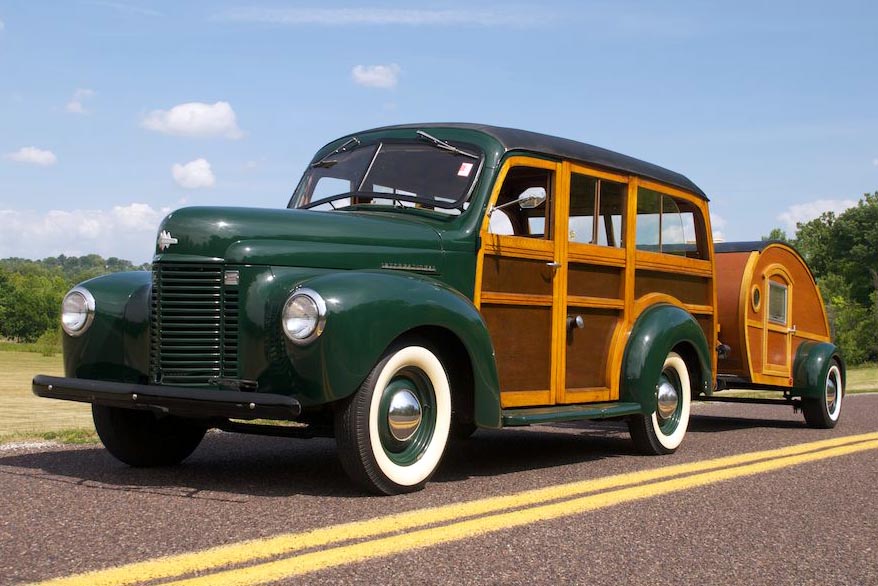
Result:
404,415
667,400
831,394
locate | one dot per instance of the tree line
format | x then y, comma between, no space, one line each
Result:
841,249
31,291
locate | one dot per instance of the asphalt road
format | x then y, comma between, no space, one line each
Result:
802,513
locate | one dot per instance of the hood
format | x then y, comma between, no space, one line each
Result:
333,240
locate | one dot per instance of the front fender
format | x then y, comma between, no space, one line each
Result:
366,312
811,367
657,331
116,346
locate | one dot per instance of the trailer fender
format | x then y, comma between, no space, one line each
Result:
811,366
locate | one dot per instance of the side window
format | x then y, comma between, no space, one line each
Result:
669,225
596,210
512,218
777,302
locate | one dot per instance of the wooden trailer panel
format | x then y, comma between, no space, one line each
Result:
729,285
768,304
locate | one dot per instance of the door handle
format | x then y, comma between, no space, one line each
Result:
553,265
792,330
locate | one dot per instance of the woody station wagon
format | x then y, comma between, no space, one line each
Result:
430,279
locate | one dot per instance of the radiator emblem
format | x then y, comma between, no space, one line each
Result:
165,240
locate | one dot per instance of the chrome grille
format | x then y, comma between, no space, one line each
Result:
194,325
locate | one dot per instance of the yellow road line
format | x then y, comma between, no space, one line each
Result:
343,555
168,567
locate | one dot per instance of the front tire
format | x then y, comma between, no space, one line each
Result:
392,432
662,432
823,413
140,439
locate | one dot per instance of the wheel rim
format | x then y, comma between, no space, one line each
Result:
669,406
407,417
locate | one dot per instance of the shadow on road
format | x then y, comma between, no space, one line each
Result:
715,423
231,467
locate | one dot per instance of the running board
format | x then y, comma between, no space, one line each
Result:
751,400
561,413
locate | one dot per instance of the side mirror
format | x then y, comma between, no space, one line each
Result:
530,198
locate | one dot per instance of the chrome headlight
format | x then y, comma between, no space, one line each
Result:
77,311
304,316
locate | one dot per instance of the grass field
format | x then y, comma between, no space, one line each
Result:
23,415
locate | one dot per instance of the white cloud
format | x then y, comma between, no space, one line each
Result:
380,76
79,96
717,224
195,119
125,231
33,156
386,16
194,174
805,212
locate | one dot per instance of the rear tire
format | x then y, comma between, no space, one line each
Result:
392,432
823,413
140,439
662,431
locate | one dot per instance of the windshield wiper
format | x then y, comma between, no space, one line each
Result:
324,163
445,146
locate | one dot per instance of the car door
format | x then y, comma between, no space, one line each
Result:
518,289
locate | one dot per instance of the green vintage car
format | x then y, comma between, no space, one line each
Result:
424,280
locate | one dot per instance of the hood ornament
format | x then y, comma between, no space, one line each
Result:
165,240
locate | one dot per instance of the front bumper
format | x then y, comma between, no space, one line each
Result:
182,401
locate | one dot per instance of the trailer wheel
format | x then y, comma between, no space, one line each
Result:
140,439
823,413
392,432
662,432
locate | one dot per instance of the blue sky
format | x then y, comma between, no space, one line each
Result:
114,112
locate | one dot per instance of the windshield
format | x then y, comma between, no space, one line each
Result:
398,174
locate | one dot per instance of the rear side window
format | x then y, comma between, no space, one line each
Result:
596,210
669,225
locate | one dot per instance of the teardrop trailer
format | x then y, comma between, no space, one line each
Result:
427,280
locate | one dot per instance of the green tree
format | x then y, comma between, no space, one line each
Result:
777,234
842,251
845,244
31,290
30,304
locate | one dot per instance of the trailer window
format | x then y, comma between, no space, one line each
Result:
777,302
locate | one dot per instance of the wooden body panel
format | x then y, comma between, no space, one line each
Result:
530,288
764,341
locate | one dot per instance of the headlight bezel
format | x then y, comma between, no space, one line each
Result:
319,323
89,303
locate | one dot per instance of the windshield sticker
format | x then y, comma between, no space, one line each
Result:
465,169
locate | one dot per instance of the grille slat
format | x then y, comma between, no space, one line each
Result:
194,325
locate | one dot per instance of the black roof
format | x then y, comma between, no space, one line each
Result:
750,246
513,139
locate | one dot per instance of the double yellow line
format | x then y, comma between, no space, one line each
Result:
260,561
